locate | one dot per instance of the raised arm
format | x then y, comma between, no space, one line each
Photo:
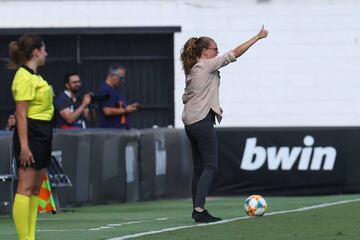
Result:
70,116
223,60
241,49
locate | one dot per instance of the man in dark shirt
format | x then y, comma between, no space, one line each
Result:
71,110
114,112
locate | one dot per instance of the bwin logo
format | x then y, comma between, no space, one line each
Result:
284,158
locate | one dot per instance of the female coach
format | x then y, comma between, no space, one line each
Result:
33,132
201,98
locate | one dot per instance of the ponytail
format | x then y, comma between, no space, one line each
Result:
16,56
192,51
21,51
188,55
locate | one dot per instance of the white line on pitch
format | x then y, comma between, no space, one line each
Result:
61,230
113,225
50,219
108,226
233,219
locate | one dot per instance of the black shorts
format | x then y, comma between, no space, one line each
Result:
39,139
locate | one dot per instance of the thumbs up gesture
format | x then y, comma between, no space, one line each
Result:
263,33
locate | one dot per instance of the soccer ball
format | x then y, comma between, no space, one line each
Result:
255,205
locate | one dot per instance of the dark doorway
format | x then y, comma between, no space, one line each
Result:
147,53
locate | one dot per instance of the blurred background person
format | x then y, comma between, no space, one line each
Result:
11,122
114,112
72,110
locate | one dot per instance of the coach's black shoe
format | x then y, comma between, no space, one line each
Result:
204,217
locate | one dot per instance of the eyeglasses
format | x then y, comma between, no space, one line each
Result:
121,78
216,49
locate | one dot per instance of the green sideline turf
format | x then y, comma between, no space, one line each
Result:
335,222
109,221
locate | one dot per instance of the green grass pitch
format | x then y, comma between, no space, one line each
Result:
338,222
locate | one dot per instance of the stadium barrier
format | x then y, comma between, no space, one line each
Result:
132,166
118,166
96,165
106,165
6,173
288,161
74,148
165,164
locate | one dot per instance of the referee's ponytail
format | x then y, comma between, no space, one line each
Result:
192,50
20,51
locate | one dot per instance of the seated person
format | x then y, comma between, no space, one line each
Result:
71,110
11,122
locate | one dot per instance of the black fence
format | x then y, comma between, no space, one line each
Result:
121,166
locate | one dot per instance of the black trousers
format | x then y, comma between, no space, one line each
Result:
203,141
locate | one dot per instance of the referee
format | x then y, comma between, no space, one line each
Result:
33,132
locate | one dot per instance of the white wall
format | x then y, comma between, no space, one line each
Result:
305,74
